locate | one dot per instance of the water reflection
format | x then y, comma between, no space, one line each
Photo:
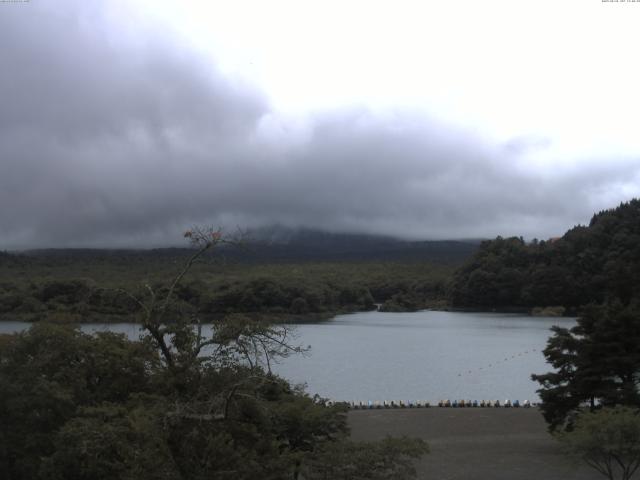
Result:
410,356
423,356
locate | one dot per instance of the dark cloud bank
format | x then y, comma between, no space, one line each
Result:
115,137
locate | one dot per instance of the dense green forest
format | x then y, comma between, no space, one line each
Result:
177,404
88,286
101,407
588,264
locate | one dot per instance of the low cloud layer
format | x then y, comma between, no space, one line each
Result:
115,136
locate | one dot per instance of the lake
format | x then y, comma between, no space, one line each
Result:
424,355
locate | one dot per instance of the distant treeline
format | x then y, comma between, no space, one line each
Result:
593,264
589,264
99,287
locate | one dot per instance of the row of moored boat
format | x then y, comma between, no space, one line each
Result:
442,403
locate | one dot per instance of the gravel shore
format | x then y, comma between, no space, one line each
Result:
475,443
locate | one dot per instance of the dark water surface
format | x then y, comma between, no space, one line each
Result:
410,356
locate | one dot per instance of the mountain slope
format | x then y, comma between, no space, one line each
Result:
280,244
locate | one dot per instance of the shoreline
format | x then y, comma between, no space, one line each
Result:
275,318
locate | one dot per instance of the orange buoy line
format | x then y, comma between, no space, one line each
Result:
498,362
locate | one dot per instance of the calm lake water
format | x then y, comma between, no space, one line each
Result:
411,356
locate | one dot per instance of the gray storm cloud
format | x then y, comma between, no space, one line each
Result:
113,137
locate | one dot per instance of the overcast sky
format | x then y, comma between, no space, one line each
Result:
122,123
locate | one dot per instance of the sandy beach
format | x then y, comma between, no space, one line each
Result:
475,443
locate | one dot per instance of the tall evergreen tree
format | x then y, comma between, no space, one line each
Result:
597,362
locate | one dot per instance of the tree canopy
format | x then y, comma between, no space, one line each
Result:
183,402
597,363
608,440
596,263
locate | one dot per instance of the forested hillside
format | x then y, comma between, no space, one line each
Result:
89,287
588,264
